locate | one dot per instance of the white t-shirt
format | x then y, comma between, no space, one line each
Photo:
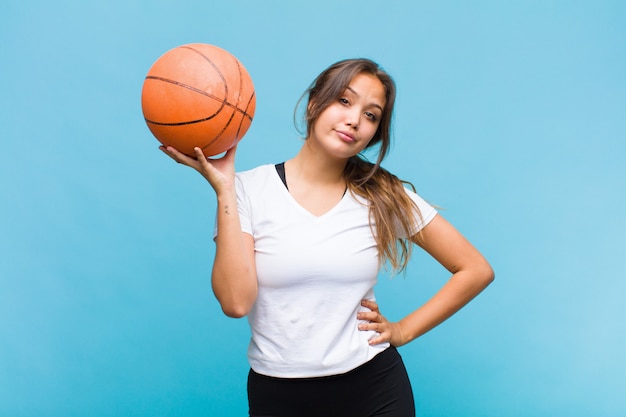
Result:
312,274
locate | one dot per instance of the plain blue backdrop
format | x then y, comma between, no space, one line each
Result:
511,117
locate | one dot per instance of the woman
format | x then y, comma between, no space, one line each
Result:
299,246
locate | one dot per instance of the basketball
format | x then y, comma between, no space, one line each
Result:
198,95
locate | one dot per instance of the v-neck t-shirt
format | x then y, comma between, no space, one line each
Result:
312,271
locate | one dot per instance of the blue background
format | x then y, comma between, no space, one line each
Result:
510,116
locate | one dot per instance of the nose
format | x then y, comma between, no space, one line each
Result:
352,117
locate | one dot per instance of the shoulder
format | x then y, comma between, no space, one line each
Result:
260,171
255,175
256,180
412,193
426,211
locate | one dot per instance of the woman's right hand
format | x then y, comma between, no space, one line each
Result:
220,172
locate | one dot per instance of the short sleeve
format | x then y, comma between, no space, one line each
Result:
425,213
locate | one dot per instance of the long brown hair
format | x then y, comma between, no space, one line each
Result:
393,214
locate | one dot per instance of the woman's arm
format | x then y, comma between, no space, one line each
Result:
471,273
234,271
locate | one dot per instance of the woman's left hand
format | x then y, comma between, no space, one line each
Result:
387,331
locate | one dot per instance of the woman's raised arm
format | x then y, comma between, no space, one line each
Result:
233,279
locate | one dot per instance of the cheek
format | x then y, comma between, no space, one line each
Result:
331,112
322,119
372,131
365,144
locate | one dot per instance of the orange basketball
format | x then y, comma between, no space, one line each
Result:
198,95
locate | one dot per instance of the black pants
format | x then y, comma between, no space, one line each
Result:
380,387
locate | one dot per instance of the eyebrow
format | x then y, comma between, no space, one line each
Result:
357,94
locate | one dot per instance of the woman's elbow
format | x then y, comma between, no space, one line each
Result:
481,274
487,274
235,311
235,306
235,298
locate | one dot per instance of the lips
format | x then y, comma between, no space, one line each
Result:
346,136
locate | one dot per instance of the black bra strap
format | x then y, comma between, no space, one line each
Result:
280,168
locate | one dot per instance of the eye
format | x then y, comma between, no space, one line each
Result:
344,100
371,116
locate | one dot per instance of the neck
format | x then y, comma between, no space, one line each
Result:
316,168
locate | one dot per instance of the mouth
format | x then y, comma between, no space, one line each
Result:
346,136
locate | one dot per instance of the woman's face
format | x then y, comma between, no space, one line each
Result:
349,123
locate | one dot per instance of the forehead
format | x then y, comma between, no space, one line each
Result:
369,88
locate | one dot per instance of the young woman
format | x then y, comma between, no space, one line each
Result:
299,246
